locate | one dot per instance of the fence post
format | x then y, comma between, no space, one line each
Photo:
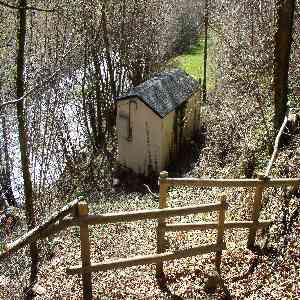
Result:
221,228
256,210
83,210
163,190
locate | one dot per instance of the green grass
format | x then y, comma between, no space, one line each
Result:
191,61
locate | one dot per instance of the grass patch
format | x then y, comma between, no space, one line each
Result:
191,61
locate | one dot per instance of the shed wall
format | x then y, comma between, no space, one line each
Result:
170,139
153,139
144,149
192,116
168,142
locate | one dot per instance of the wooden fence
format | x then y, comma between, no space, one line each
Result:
80,217
161,214
84,220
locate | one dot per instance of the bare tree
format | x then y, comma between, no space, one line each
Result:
5,167
283,41
206,20
23,140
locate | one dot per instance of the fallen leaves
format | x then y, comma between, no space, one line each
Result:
246,275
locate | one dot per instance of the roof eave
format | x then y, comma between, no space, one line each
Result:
141,99
162,116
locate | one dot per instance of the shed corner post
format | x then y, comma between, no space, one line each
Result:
259,190
83,211
163,189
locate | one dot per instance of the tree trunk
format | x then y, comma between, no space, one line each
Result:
6,184
108,57
283,41
23,140
6,193
97,115
252,25
205,52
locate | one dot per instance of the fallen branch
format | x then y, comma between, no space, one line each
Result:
276,145
149,190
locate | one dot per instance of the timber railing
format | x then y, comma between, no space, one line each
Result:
79,216
83,219
254,224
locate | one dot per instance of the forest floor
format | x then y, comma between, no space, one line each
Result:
271,273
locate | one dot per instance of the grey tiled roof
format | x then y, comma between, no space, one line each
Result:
165,91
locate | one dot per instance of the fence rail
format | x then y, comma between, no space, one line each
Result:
141,215
195,182
41,231
147,259
214,225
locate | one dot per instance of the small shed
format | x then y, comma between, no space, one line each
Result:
155,118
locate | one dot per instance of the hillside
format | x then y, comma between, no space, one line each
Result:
270,273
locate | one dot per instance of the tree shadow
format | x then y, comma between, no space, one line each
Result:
130,182
270,251
188,155
163,282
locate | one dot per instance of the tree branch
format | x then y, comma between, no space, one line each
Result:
27,7
29,92
149,190
8,5
16,101
276,146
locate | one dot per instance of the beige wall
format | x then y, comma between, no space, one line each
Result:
145,146
152,137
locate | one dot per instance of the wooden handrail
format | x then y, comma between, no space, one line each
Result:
85,249
206,182
48,227
140,215
161,243
220,231
38,232
59,221
214,225
256,208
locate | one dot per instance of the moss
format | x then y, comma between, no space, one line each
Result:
179,122
191,61
150,163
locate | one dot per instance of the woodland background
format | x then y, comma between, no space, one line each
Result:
63,63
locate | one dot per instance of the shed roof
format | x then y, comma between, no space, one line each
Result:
165,91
